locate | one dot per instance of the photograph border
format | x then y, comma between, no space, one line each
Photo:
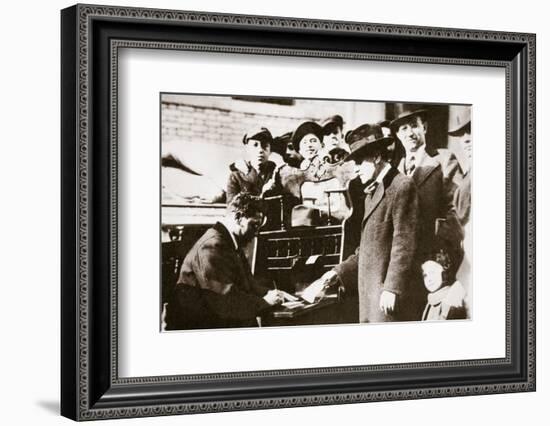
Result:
91,37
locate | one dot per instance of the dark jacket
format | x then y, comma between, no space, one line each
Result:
387,247
215,288
435,200
245,178
462,199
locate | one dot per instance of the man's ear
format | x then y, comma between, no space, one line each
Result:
237,216
425,123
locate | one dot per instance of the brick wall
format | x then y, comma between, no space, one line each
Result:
189,123
224,120
206,131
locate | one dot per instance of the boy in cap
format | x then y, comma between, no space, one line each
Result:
252,172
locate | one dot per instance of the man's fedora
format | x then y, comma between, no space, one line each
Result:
404,112
459,117
366,138
305,129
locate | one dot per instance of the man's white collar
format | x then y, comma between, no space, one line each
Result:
383,173
418,155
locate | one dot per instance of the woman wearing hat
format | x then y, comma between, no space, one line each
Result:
380,269
307,142
251,173
308,138
305,187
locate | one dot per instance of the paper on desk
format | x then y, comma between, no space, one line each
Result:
312,259
314,290
288,296
292,305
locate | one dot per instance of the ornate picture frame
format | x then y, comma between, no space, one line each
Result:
92,37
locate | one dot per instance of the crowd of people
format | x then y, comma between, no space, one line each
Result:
410,264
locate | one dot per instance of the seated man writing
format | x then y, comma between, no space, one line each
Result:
216,288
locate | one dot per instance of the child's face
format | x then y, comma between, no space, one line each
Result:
433,278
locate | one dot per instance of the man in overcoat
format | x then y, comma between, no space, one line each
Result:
461,134
438,221
215,288
381,266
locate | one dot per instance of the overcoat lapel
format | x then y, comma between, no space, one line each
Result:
372,202
401,165
424,170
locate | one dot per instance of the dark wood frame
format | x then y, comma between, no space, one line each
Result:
90,386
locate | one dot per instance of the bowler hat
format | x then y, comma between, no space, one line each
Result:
459,117
330,123
305,129
366,138
280,143
259,134
404,112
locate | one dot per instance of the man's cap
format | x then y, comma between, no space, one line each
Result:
260,134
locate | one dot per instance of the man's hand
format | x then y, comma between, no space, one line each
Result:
387,302
330,278
274,297
316,290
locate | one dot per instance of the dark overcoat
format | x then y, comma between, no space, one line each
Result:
385,256
215,288
435,201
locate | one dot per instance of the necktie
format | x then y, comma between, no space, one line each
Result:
410,166
369,190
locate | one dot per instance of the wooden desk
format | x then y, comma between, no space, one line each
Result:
327,311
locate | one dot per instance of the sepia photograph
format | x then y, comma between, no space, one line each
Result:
264,211
292,211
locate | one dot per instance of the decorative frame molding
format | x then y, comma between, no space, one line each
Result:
91,37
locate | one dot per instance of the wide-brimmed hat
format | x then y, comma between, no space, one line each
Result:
366,138
459,117
305,129
260,134
404,112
